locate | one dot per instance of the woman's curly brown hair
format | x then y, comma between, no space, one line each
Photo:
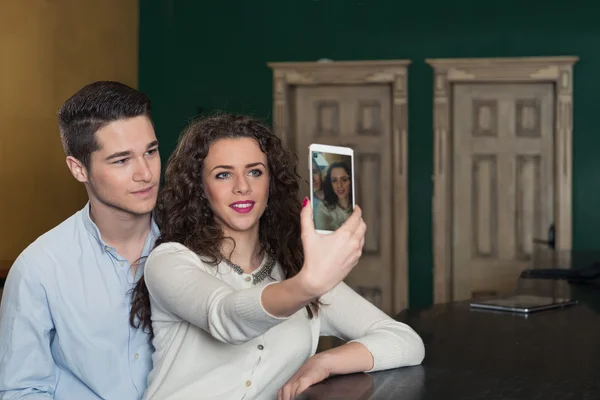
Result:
184,214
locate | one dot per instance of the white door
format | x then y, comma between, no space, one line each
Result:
357,116
503,182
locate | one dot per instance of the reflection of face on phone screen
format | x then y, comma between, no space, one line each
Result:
332,190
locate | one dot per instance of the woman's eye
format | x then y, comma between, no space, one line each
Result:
256,172
223,175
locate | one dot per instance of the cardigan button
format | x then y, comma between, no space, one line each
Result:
248,383
260,347
248,279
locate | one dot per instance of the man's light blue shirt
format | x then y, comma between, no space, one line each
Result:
64,319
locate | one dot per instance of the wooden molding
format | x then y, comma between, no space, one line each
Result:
557,70
392,72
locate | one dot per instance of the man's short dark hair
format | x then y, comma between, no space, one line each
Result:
93,107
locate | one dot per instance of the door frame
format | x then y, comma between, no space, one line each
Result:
288,75
448,72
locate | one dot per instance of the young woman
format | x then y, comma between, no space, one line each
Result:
336,206
240,286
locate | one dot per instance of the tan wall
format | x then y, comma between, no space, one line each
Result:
48,50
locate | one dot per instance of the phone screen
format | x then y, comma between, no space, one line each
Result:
332,191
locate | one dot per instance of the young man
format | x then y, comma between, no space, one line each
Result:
64,317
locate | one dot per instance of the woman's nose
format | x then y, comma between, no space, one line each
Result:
241,186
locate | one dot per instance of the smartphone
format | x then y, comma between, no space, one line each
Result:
331,186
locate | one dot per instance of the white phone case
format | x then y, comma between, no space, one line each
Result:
337,150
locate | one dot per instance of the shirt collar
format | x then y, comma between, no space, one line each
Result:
92,228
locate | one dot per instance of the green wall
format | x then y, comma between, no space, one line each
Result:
213,54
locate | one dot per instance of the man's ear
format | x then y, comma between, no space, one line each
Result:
77,168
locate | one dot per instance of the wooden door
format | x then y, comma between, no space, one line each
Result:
357,116
503,182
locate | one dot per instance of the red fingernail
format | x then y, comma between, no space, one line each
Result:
305,202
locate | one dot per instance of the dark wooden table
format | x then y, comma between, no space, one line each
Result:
491,355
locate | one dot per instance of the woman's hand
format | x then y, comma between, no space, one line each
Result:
328,259
346,359
312,372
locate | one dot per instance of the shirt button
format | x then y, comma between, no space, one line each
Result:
248,383
248,279
122,263
106,248
260,347
136,356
